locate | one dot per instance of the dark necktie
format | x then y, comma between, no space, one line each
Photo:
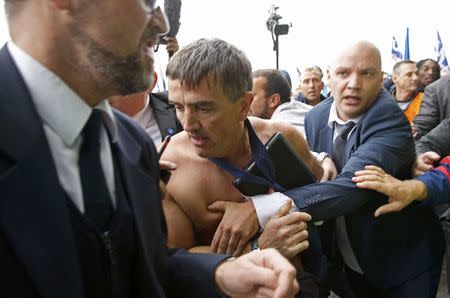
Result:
339,145
97,200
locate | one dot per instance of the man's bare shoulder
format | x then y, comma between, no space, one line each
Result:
194,176
266,128
180,149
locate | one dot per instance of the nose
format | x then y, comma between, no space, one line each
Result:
160,22
353,81
189,120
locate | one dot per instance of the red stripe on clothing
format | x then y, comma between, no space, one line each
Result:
443,169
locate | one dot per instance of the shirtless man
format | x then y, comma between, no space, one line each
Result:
210,83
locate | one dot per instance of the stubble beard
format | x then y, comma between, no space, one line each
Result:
118,75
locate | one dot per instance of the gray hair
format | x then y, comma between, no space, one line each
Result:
217,61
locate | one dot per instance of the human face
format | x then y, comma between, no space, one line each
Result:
355,80
260,104
405,78
428,72
114,40
310,86
213,123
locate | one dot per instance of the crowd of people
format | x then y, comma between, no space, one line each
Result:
86,211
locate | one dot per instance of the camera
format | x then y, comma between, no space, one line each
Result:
273,25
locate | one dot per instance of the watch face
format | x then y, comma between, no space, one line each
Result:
254,244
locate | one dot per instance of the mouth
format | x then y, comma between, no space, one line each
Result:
351,99
198,140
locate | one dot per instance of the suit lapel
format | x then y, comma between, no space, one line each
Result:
326,139
165,116
33,212
144,197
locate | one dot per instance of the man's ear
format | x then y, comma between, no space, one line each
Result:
274,100
245,100
394,78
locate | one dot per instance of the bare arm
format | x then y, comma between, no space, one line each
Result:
180,231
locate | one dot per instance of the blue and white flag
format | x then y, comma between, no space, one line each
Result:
441,58
396,54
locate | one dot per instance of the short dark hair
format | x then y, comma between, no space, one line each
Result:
275,83
436,67
400,63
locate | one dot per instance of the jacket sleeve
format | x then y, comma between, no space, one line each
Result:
382,138
437,182
192,275
428,116
437,140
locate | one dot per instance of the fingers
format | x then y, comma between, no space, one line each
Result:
217,206
371,184
425,162
240,247
295,218
232,245
223,243
388,208
283,209
297,248
325,176
167,165
431,156
216,240
287,286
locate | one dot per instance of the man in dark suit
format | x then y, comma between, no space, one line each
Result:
151,111
393,256
80,209
372,250
434,108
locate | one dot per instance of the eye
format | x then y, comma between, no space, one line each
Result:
203,107
177,107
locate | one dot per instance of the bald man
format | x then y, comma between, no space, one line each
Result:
394,256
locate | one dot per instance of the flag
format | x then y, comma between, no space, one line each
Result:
441,58
396,54
406,55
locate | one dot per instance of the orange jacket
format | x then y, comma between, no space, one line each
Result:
414,107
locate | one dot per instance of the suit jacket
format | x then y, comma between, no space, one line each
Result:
165,115
435,106
37,246
395,247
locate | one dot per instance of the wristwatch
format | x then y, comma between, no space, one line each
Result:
321,157
254,243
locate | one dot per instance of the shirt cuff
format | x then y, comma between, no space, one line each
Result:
268,204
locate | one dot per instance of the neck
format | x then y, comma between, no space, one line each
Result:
403,95
241,152
313,102
129,104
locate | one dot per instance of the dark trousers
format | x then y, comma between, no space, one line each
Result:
425,285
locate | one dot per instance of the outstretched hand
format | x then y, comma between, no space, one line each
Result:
264,273
400,193
238,225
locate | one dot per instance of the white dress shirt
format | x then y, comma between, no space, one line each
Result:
267,205
64,114
147,120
